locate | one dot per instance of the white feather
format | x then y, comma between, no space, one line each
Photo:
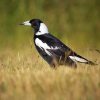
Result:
44,46
75,58
42,30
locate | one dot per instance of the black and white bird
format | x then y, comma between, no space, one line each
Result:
52,49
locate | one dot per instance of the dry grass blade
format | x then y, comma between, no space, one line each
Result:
24,75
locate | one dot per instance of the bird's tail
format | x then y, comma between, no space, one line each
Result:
90,63
80,59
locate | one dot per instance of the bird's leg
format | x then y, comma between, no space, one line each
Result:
60,60
54,63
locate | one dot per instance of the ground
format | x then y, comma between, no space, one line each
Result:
25,76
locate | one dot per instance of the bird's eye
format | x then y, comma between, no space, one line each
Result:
36,24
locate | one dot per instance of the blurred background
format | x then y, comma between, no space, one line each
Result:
75,22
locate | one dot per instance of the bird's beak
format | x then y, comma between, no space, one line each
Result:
27,23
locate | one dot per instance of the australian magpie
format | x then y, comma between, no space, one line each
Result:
52,49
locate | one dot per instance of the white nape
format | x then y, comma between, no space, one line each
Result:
42,45
75,58
27,23
43,29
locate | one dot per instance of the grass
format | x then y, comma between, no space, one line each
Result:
25,76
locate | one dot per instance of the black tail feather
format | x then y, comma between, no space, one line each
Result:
91,63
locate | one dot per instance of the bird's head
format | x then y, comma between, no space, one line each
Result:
37,25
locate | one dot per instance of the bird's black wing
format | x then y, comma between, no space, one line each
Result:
56,46
59,49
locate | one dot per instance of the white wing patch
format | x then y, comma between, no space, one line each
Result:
54,48
75,58
44,46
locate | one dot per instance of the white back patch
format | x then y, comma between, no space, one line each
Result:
75,58
42,45
43,29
